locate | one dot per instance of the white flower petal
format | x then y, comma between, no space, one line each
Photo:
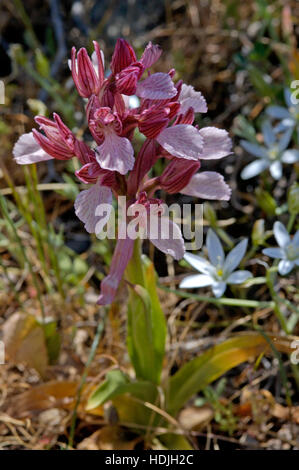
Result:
281,234
215,250
200,264
268,134
196,280
274,252
277,112
276,170
285,266
254,168
254,149
238,277
235,256
295,240
290,156
285,139
218,288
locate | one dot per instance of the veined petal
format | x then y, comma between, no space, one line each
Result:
208,185
115,154
196,280
200,264
215,250
254,168
254,149
290,156
182,141
157,86
281,234
189,98
88,205
166,236
276,170
26,150
274,252
235,256
150,55
285,266
238,277
218,288
216,143
122,255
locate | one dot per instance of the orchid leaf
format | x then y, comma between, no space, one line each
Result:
209,366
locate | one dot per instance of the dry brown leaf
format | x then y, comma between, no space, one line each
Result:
109,438
54,394
25,342
194,418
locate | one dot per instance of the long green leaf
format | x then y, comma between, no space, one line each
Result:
209,366
146,322
116,384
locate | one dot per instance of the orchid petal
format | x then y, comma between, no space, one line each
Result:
87,205
182,141
166,236
208,185
115,154
150,55
157,86
189,98
216,143
26,150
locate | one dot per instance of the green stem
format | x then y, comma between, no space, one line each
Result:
134,271
291,221
270,279
19,241
222,300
